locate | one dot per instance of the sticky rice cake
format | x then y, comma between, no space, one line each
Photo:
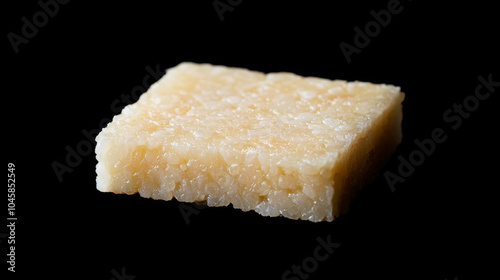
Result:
277,143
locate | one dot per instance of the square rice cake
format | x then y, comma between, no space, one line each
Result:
278,143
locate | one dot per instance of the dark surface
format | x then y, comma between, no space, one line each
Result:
437,224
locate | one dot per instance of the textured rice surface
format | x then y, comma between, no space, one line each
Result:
279,144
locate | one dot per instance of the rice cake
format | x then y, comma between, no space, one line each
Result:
277,143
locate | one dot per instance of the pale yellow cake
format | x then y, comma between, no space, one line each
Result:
277,143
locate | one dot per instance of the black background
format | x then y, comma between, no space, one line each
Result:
438,224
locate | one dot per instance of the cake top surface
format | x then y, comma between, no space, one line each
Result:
276,119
